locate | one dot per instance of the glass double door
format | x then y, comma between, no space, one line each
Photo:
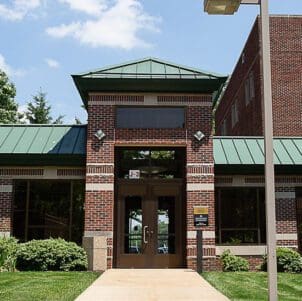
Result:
149,224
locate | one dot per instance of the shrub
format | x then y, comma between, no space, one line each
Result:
232,263
288,260
8,254
51,255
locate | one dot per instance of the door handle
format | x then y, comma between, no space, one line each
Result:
144,234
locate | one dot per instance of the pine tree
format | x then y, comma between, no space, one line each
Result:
39,111
8,106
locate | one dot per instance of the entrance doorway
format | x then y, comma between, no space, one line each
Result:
150,215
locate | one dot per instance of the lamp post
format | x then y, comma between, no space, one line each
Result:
229,7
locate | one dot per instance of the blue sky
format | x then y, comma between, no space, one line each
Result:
44,41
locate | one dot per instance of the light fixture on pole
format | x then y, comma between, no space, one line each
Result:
221,7
100,135
226,7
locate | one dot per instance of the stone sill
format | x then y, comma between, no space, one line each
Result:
257,250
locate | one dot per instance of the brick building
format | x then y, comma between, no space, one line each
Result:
127,184
239,112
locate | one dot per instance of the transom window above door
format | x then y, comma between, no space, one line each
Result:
134,163
150,117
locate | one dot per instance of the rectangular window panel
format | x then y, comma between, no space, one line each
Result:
145,118
247,91
240,216
44,209
252,86
133,225
166,225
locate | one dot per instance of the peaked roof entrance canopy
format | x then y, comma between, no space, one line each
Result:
148,75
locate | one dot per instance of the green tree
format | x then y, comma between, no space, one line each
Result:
8,106
39,111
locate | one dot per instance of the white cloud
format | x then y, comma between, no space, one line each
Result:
16,10
22,109
116,26
90,7
10,71
52,63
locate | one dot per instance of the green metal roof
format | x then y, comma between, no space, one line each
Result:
250,151
148,75
42,144
150,68
66,145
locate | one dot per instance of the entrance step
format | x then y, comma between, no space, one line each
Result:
151,285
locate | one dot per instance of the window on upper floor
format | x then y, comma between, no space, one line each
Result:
252,85
150,117
224,128
249,88
235,114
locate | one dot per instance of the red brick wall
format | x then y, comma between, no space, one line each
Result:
286,58
250,120
6,199
99,205
286,48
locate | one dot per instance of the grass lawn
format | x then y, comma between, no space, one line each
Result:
253,286
35,286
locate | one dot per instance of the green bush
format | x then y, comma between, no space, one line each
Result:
232,263
288,260
8,254
51,255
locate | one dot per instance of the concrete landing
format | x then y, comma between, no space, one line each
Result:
150,285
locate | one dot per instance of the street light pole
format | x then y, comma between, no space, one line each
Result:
230,7
270,205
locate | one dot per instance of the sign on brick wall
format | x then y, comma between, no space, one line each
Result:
201,216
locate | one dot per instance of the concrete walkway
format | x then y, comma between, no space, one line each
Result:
150,285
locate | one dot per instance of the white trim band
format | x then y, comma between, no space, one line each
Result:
99,187
285,195
287,236
242,250
4,234
99,164
108,234
200,187
6,188
205,234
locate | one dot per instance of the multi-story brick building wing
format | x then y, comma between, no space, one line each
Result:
240,111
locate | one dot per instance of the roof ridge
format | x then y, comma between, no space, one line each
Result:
151,59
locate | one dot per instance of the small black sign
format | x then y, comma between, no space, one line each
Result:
201,216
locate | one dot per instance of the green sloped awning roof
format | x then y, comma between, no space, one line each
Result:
245,155
66,145
250,151
42,144
148,75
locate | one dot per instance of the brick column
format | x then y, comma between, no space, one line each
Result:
200,184
6,199
286,219
99,196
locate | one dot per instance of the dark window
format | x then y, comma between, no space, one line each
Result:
240,216
144,118
44,209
